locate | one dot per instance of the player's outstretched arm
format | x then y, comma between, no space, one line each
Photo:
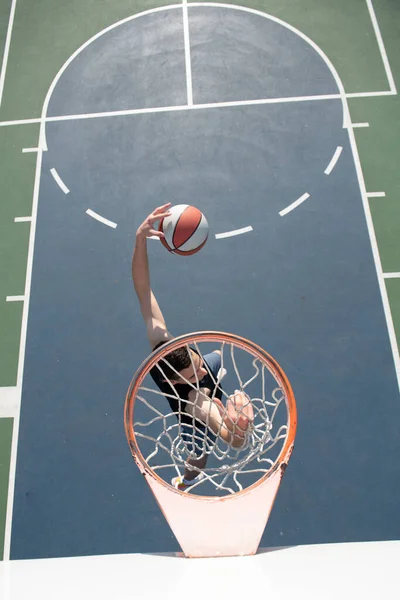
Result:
152,315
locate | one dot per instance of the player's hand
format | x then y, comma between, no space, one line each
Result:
240,412
147,228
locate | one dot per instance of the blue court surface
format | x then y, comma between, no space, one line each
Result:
263,128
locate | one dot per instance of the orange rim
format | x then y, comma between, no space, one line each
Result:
210,336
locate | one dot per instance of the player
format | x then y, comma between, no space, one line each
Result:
203,404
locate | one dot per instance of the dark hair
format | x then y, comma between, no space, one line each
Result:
179,359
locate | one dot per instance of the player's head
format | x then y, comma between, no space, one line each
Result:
189,366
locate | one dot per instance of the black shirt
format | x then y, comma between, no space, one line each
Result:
212,364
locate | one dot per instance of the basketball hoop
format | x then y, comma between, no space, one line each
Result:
225,511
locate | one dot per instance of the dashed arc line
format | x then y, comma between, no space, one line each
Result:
59,181
334,160
305,196
103,220
226,234
294,204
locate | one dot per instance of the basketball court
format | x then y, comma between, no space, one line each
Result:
279,122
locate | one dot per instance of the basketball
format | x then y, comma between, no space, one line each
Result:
185,230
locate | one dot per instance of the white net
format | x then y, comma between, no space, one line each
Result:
171,441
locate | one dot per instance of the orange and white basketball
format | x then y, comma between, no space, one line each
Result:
185,230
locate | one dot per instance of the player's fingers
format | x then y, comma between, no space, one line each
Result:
154,218
161,208
164,214
220,406
157,233
241,405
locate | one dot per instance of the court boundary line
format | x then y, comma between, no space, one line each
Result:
381,46
7,48
43,147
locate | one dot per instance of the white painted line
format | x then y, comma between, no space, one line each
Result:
139,111
59,181
7,48
359,125
391,275
381,45
188,62
294,205
182,107
26,150
43,140
261,101
19,122
15,298
370,94
22,219
98,217
376,195
220,236
334,160
10,399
